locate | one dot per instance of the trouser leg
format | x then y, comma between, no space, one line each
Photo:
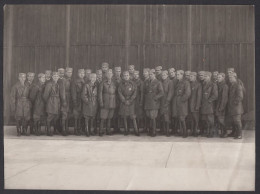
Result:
153,127
125,126
86,126
18,127
101,127
135,127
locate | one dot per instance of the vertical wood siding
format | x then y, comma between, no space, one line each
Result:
40,37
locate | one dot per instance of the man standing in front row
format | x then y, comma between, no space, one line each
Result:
127,95
21,105
107,102
153,92
235,106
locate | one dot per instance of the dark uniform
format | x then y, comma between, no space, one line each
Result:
21,106
182,94
76,90
139,99
165,104
90,105
209,95
53,97
221,106
153,91
116,118
235,107
36,97
194,104
127,94
31,122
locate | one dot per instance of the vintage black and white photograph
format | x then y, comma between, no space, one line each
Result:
129,97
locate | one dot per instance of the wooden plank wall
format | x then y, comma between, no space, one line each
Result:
39,37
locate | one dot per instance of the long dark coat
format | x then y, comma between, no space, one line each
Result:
209,95
181,97
173,111
52,96
107,94
67,90
127,92
139,97
235,98
168,94
222,100
90,100
153,91
36,97
195,98
20,103
76,90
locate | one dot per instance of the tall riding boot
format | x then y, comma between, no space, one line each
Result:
154,128
224,131
167,124
27,132
173,126
145,124
125,124
18,127
109,127
63,125
233,132
101,127
210,130
239,131
184,129
91,129
86,127
76,129
136,127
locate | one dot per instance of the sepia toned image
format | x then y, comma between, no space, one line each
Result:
129,97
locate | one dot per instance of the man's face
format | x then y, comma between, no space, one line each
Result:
136,75
192,78
30,77
99,75
172,73
109,75
215,75
118,72
69,74
187,76
201,76
131,69
81,74
164,76
126,76
152,75
179,75
146,74
48,74
220,78
104,68
93,78
230,73
42,79
87,75
61,74
22,78
55,77
206,77
158,71
232,79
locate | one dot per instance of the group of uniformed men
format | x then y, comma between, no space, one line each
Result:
173,100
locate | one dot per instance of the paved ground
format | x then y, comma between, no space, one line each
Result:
128,163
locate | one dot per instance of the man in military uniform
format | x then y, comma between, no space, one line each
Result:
131,70
90,103
66,110
117,79
158,72
107,101
87,75
165,102
48,76
153,92
201,76
187,75
221,104
30,83
195,102
181,97
76,90
36,97
98,82
127,95
21,105
172,73
139,97
105,68
235,106
53,97
215,77
146,80
99,76
209,95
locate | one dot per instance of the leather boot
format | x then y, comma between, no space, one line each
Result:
92,130
239,131
86,127
167,125
233,132
76,129
36,128
125,124
184,129
154,128
136,127
63,125
101,127
18,127
109,127
27,132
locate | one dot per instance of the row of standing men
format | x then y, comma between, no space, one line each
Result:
166,98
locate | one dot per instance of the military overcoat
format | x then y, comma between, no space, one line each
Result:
209,95
90,99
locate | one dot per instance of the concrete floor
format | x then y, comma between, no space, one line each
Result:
129,163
